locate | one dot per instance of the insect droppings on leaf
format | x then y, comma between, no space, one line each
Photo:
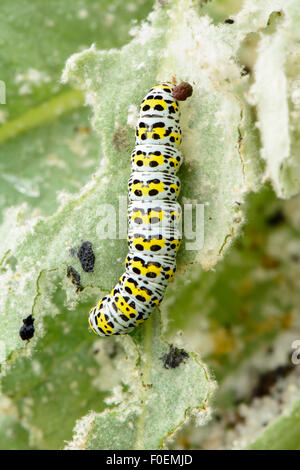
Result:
174,357
27,330
276,218
86,257
245,70
75,278
182,91
147,386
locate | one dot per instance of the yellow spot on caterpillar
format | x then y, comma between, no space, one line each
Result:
170,274
145,189
102,323
148,160
175,215
146,218
153,102
160,131
176,243
140,293
163,86
123,306
176,136
175,107
175,162
148,244
175,187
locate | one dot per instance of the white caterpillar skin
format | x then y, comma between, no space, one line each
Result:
153,215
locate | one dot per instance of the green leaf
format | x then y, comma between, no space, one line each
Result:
47,145
16,436
252,296
283,434
47,388
37,37
243,319
275,92
158,402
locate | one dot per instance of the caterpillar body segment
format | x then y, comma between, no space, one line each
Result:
102,321
158,241
154,216
151,267
159,103
153,130
146,157
149,187
142,290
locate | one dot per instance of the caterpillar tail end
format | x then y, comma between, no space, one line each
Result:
98,324
101,326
